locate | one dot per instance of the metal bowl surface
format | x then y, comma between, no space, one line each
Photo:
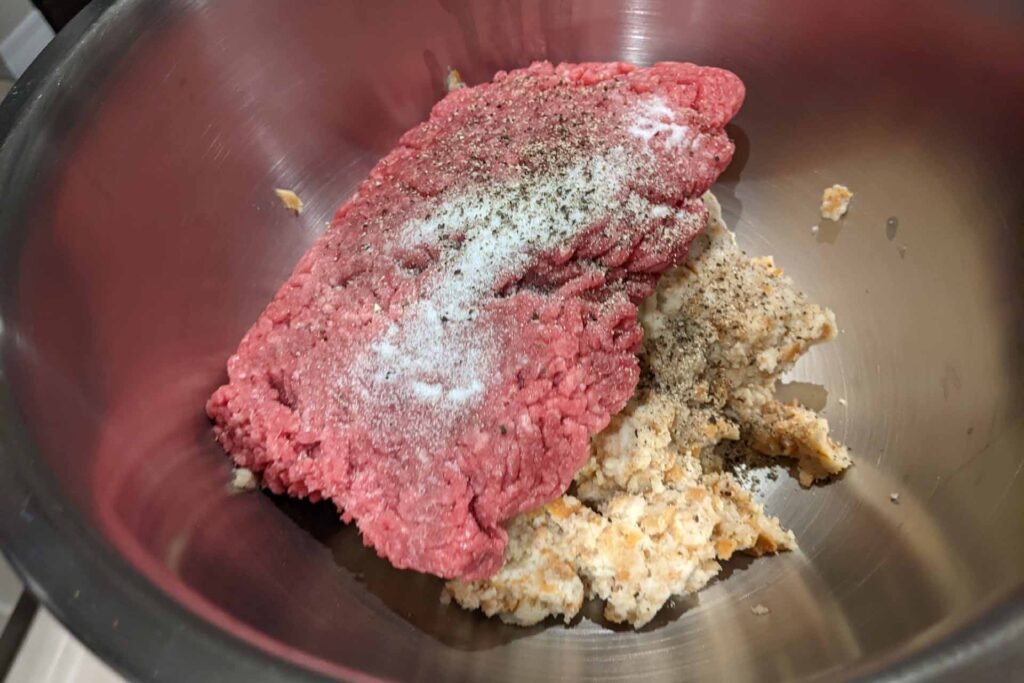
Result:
140,237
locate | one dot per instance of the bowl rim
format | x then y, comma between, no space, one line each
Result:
145,634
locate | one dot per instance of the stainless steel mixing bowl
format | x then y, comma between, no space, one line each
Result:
140,236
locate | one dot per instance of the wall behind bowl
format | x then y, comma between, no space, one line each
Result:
24,33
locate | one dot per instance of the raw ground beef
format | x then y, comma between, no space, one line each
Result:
440,358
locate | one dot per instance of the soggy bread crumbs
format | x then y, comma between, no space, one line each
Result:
289,200
654,514
835,201
453,80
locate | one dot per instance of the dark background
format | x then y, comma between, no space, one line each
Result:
59,12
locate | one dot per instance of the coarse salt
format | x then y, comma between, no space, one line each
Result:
654,117
439,355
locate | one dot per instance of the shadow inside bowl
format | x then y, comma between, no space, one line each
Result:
416,597
413,596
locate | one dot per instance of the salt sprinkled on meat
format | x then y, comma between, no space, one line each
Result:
654,117
442,352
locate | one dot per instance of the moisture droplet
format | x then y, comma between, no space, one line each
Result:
891,226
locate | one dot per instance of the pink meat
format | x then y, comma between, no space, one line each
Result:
441,356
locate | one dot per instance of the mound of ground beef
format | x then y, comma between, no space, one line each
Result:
440,358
